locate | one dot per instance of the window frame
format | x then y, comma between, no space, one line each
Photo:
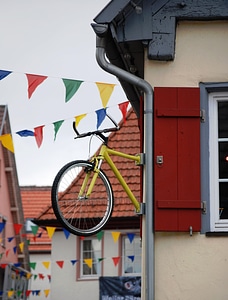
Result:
124,256
209,129
82,276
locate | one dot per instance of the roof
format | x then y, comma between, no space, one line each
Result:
140,27
127,140
13,185
35,199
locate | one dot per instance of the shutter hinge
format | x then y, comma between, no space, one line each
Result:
204,207
202,115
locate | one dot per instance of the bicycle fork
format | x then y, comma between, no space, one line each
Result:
96,170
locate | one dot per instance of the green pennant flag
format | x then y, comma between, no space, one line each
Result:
32,265
57,125
100,235
71,87
34,229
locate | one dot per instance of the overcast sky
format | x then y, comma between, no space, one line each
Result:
52,38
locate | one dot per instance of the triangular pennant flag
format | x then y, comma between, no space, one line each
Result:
7,252
79,118
41,276
1,255
50,231
46,264
131,236
57,125
10,294
123,108
32,265
71,87
10,239
101,114
28,275
115,236
38,132
39,235
100,235
73,261
49,277
35,276
34,229
7,141
17,228
89,262
46,293
33,82
15,249
60,263
28,292
4,74
100,259
2,226
25,133
66,232
21,245
131,257
105,90
116,260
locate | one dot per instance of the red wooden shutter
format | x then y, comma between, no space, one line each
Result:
177,159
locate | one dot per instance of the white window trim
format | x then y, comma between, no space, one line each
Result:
215,223
90,276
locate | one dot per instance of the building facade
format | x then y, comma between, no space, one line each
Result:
180,49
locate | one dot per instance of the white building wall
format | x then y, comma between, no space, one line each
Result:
192,267
36,282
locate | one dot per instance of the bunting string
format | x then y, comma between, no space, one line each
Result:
37,132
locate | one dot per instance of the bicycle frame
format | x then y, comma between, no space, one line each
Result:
104,154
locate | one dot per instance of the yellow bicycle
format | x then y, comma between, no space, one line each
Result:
82,196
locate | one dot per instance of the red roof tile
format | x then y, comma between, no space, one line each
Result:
126,140
34,200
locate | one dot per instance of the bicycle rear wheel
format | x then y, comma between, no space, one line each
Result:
78,214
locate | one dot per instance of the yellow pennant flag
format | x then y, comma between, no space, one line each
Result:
10,294
115,236
79,118
50,231
105,90
7,141
46,264
89,262
46,292
21,246
28,275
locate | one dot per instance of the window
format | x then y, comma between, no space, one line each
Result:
218,160
91,255
131,255
3,231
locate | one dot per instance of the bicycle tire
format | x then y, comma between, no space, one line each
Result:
81,216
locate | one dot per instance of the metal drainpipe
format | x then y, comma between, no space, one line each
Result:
100,30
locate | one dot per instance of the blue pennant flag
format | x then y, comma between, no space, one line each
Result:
25,133
101,114
131,236
66,232
4,73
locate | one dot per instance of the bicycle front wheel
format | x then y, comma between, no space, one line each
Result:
78,213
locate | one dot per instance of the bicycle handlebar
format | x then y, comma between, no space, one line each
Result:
96,132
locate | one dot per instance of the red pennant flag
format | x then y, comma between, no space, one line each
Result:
41,276
17,228
28,292
60,263
38,132
123,108
116,260
33,82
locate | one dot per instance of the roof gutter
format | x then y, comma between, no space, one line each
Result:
101,31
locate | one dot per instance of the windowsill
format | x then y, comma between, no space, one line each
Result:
216,233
